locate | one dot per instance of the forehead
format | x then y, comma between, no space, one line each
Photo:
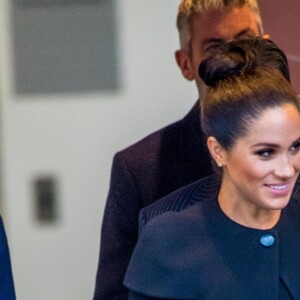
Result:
224,24
279,125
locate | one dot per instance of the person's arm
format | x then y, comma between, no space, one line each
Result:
119,233
7,290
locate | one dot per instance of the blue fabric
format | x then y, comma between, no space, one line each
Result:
7,291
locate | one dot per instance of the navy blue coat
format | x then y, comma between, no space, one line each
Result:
152,168
199,253
7,291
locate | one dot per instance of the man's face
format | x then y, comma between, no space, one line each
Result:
211,29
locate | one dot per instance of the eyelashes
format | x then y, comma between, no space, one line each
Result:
265,153
296,146
269,152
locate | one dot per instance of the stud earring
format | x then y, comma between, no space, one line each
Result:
219,164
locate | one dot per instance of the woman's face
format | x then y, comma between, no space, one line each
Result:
262,167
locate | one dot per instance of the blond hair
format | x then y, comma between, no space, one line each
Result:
188,8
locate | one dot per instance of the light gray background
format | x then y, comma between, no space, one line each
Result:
64,46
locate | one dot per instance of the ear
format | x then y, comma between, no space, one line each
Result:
216,151
184,63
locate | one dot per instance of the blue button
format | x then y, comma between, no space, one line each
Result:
267,240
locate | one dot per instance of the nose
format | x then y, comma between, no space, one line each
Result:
285,168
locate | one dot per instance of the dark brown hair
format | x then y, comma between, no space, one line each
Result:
244,78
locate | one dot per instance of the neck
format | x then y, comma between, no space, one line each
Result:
247,214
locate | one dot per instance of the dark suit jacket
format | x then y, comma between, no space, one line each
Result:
157,165
7,291
199,253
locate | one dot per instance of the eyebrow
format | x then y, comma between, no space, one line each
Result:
265,145
219,40
273,145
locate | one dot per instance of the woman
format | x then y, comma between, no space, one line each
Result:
244,243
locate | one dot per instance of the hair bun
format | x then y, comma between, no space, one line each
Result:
225,61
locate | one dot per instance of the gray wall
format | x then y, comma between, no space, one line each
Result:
73,137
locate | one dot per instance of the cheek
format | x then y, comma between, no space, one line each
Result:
196,58
297,164
250,171
196,63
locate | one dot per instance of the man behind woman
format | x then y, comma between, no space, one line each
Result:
173,156
243,242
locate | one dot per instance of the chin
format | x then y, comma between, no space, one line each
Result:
279,204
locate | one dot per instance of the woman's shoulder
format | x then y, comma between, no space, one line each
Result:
166,249
172,223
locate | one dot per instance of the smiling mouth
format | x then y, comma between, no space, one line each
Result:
277,187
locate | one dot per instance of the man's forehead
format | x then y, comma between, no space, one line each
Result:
214,17
223,24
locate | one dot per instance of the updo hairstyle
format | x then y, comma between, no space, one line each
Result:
244,78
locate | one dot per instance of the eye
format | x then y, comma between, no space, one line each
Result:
211,47
295,147
265,153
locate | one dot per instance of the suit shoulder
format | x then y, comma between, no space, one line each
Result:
143,157
171,225
151,143
165,248
182,198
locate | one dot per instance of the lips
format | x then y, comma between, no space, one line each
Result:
279,189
